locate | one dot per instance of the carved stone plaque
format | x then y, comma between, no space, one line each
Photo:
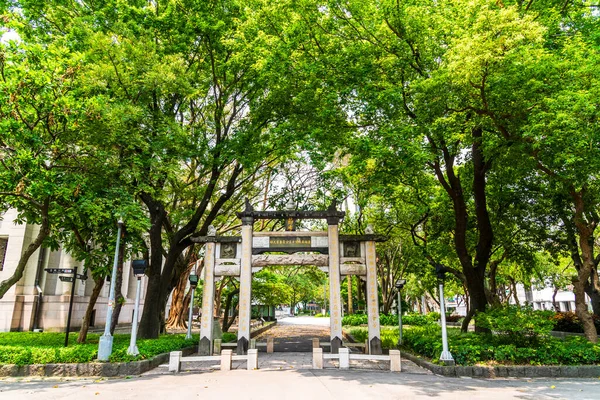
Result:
228,250
351,249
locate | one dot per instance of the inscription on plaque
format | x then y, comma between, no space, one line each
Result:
289,241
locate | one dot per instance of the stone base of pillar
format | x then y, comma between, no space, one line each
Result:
242,346
336,344
375,346
204,347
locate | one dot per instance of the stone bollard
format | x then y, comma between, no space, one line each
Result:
252,362
226,359
395,361
270,344
175,361
316,344
252,344
344,358
317,358
366,350
217,345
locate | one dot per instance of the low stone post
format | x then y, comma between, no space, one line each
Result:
317,358
252,363
252,344
366,350
395,361
226,359
217,345
270,344
344,358
315,342
175,361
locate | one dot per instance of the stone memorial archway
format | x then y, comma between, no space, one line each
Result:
335,254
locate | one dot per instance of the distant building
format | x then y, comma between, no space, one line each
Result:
21,308
539,299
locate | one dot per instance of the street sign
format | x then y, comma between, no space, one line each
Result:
82,277
66,278
59,270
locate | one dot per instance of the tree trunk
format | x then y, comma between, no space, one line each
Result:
594,298
586,245
473,267
177,313
477,297
150,322
218,297
226,321
98,285
6,284
118,290
513,284
349,278
554,303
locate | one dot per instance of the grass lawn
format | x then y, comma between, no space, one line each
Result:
24,348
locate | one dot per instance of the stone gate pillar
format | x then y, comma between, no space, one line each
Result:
208,299
372,299
245,286
335,305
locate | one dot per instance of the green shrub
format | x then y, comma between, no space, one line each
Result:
515,325
390,319
473,348
434,316
570,322
229,337
24,348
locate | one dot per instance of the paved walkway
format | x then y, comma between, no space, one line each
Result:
295,334
292,384
287,376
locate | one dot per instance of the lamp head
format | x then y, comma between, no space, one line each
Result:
400,283
193,280
139,267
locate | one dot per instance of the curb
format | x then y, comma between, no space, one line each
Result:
262,330
90,369
506,371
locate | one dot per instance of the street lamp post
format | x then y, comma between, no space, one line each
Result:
399,285
139,267
193,283
446,356
106,340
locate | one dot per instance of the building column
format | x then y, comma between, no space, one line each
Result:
372,299
335,304
208,300
245,286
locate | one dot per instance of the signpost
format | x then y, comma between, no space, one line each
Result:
72,280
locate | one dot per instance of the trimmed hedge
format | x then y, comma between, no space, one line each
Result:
392,319
24,348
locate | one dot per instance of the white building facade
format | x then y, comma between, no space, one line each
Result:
40,300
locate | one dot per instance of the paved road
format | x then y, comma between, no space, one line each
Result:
291,384
295,334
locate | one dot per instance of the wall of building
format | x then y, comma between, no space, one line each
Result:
18,304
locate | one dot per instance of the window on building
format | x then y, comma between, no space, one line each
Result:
3,246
